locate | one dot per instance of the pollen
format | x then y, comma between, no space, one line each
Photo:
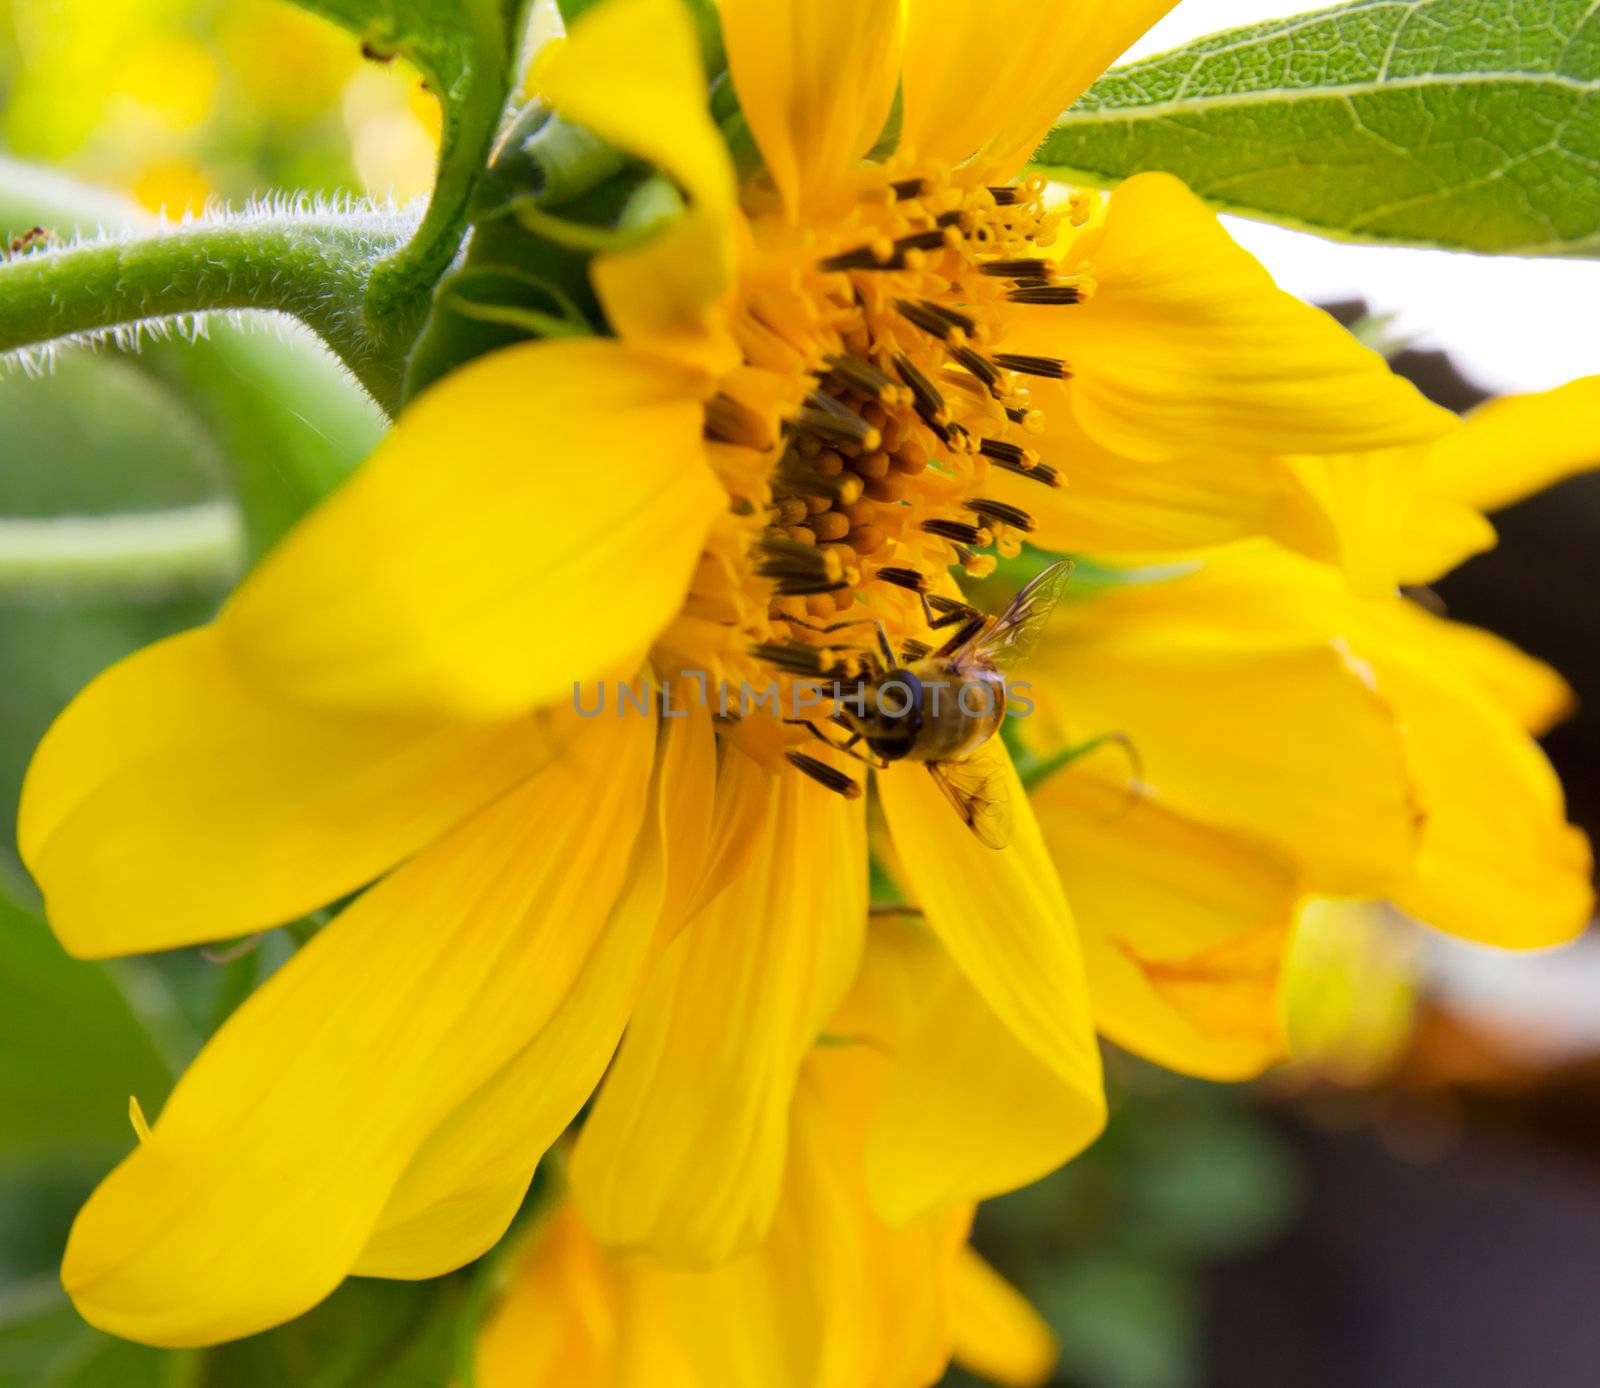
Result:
874,406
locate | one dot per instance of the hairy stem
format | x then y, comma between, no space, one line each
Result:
313,265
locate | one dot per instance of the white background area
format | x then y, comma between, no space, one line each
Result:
1512,324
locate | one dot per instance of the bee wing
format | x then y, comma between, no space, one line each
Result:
978,789
1011,637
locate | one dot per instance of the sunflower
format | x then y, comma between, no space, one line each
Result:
819,381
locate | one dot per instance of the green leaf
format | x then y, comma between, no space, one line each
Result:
1467,124
71,1050
465,51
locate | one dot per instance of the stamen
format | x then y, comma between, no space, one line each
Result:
1053,367
1015,269
732,421
1000,513
876,255
1023,459
953,317
844,489
825,416
930,403
924,316
911,649
903,578
799,569
793,657
1047,294
958,531
980,366
920,241
866,378
825,775
1030,419
909,188
1005,195
1026,466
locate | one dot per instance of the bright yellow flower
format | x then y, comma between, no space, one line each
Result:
832,1298
1279,721
808,408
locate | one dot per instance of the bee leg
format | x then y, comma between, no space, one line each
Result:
884,646
950,612
848,746
963,635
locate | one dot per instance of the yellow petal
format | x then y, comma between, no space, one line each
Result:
1283,737
532,521
1499,863
831,1299
1495,860
994,77
738,824
1004,920
467,1181
1442,535
561,1315
1533,693
1187,344
966,1109
1389,528
1109,504
270,1165
683,1152
175,801
834,1298
631,72
815,80
1184,925
1522,444
999,1336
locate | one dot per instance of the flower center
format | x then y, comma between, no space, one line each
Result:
859,438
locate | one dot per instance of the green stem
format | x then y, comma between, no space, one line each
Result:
312,266
192,545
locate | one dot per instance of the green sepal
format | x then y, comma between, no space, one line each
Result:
466,51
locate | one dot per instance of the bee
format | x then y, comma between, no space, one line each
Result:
943,707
